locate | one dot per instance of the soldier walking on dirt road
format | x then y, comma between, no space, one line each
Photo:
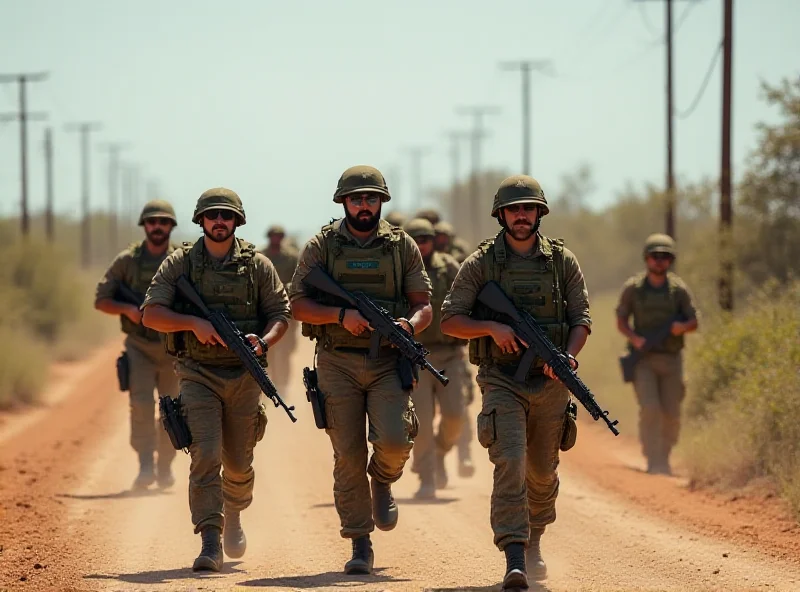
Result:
363,252
657,298
522,425
144,365
219,398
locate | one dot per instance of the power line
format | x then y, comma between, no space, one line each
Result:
703,85
85,129
646,20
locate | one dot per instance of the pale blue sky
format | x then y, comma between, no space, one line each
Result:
275,99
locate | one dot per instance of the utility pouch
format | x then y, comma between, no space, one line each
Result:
315,397
174,423
570,433
124,372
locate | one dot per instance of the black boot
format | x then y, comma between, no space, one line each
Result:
164,473
536,566
210,558
363,557
515,567
441,471
233,539
147,475
384,510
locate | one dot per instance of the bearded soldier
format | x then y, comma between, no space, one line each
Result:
655,298
219,398
144,363
447,354
520,424
284,259
363,252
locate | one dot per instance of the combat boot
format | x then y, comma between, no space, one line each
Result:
465,467
427,488
146,476
515,567
384,510
441,471
533,557
233,539
210,558
164,473
363,557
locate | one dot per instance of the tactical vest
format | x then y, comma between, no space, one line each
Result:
232,288
655,307
142,271
535,286
377,271
437,272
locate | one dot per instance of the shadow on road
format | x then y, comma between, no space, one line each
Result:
331,578
437,501
124,494
166,575
534,587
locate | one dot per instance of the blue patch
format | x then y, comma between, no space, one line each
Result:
363,264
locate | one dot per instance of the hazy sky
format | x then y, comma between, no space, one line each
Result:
275,99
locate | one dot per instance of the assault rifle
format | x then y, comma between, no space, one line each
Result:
236,342
628,361
127,294
382,323
539,345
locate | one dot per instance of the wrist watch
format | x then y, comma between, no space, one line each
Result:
263,344
574,359
413,331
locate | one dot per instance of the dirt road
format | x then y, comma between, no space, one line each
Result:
67,521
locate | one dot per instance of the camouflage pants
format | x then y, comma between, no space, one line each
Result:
468,425
279,359
359,391
150,369
450,399
658,382
521,425
221,409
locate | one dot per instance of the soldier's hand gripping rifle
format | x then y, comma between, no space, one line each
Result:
382,323
628,361
236,342
539,345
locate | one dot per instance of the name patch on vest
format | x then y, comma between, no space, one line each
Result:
362,264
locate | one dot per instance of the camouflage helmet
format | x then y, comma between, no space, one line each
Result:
519,189
157,208
395,218
361,179
444,228
430,215
419,227
219,198
276,229
659,243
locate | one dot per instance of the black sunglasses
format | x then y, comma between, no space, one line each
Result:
661,256
226,215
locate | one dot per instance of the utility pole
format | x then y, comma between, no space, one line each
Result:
49,216
85,129
23,117
525,67
113,149
726,202
456,137
416,153
477,135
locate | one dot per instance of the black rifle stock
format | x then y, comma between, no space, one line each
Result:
539,345
382,323
628,361
236,342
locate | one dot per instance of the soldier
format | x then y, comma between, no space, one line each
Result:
363,252
395,218
148,365
284,259
657,297
520,424
219,398
447,354
446,241
429,214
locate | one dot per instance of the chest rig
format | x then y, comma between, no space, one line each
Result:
376,270
655,307
229,286
439,275
535,285
139,275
